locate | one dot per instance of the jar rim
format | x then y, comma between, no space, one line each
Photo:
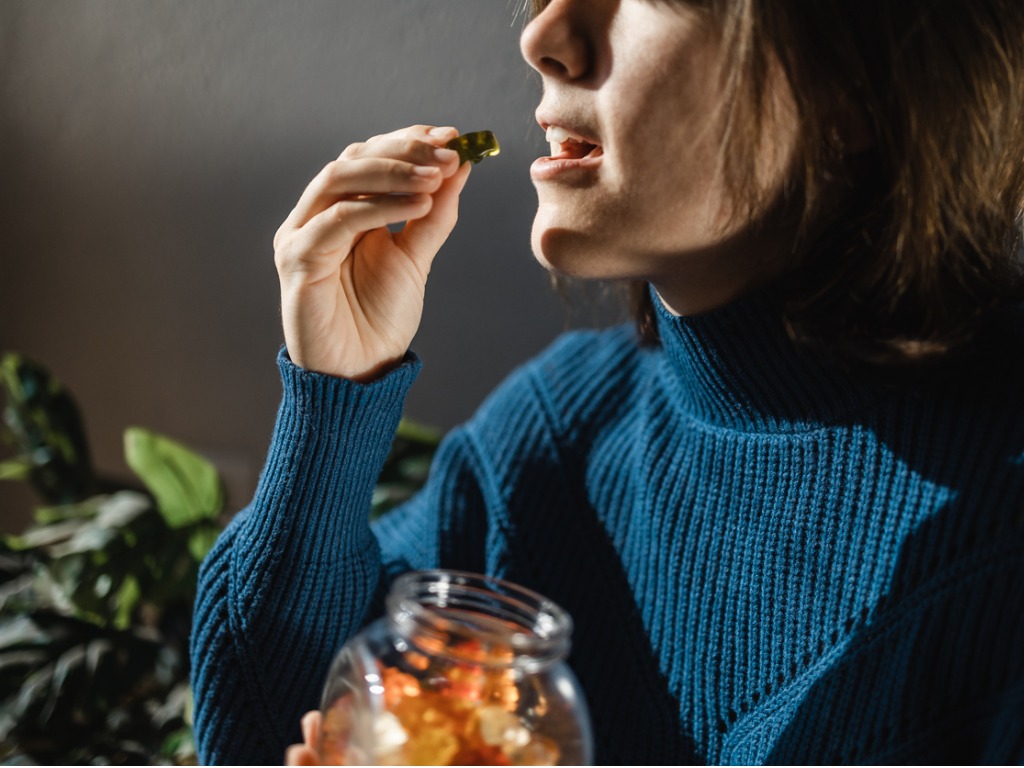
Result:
454,607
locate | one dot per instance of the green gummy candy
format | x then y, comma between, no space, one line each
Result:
475,146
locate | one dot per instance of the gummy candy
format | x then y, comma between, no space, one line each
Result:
450,712
474,147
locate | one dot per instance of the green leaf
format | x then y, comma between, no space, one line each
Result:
17,595
95,654
88,508
45,536
187,487
88,538
15,665
21,632
127,598
55,584
43,421
33,692
415,469
66,673
201,541
416,432
174,706
15,469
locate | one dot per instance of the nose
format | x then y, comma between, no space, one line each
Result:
556,43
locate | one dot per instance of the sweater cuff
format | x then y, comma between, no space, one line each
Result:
331,439
326,399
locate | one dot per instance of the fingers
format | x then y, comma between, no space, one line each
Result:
414,148
300,754
305,753
375,175
436,135
403,176
336,229
311,728
423,237
407,161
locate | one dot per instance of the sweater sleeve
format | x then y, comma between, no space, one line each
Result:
295,573
301,569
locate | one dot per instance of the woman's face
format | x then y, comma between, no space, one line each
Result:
641,196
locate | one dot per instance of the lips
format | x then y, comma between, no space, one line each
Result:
567,145
575,156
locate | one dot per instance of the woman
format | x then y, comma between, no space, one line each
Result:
786,518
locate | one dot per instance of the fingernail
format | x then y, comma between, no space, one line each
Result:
445,155
442,131
425,170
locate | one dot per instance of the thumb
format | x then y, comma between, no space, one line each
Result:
423,238
300,754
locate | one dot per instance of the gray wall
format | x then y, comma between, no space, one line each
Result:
148,152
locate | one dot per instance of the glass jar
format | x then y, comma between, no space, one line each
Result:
463,670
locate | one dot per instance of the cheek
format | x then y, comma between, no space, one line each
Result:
668,123
675,188
668,168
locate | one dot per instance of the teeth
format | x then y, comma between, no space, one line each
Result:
557,135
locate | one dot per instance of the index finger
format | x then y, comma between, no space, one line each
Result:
311,728
433,134
300,754
413,144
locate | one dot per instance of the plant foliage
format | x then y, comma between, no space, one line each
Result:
96,597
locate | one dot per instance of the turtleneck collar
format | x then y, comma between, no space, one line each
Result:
737,367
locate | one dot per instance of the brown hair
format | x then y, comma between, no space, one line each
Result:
927,242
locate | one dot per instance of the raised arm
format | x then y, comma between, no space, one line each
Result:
296,572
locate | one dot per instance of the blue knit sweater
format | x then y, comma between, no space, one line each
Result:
765,561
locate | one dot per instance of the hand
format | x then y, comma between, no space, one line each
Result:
306,753
352,290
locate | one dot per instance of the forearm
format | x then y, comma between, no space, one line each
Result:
296,571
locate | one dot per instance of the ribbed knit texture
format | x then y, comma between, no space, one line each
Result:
765,561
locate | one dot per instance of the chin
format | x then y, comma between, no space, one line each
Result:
541,250
559,250
581,254
560,245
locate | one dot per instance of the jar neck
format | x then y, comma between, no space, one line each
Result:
477,619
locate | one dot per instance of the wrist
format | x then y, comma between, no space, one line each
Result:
358,371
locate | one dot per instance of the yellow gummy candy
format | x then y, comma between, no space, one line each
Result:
475,146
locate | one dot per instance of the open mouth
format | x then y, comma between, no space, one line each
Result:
566,146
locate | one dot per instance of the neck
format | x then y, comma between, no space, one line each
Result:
735,267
